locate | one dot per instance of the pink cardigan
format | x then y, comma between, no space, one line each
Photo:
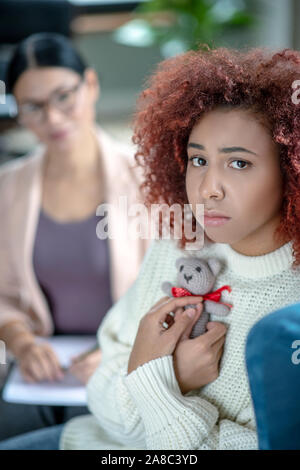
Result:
20,196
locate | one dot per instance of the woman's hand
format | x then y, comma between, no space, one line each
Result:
38,362
196,361
153,340
84,368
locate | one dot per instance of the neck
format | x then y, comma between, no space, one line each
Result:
78,162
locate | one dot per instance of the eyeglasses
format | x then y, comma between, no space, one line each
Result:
63,100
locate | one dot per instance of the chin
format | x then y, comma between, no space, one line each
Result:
221,237
64,144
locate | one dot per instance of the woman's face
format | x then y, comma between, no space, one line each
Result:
68,114
234,169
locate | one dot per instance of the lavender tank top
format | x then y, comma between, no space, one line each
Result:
72,266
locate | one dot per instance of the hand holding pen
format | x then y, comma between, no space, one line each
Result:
84,365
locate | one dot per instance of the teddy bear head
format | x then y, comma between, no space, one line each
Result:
197,275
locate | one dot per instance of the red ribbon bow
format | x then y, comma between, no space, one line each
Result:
215,296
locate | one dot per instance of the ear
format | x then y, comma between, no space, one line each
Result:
92,82
215,265
179,261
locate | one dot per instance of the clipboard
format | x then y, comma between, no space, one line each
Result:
67,392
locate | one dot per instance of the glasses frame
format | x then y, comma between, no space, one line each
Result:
23,119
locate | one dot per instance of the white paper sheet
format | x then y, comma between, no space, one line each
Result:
69,391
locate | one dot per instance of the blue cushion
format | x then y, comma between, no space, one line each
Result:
272,356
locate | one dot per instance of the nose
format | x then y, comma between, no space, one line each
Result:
187,278
52,115
211,186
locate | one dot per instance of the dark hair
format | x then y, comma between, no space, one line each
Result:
43,50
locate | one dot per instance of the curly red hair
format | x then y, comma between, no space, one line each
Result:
185,86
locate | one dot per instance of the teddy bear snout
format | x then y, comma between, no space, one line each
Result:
187,278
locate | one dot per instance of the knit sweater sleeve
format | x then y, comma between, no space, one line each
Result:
174,421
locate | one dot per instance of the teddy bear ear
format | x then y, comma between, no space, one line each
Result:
214,265
179,261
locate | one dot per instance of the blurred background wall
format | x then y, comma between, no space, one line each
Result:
122,69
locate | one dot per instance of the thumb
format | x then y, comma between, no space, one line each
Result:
210,325
182,321
190,326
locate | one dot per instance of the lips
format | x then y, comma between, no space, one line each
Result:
215,214
59,134
214,218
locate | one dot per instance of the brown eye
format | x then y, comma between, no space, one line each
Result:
198,269
244,164
63,96
197,160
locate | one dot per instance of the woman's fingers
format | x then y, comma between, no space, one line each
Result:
54,363
28,378
217,346
82,375
27,375
40,363
36,371
44,360
83,369
177,312
45,366
181,324
174,303
171,317
170,320
187,332
78,366
213,334
161,301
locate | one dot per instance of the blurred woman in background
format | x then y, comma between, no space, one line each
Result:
56,275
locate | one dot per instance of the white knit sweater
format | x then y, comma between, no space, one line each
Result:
146,409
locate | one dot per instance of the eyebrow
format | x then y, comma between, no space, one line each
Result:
33,100
223,150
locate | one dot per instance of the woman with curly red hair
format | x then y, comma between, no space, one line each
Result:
156,388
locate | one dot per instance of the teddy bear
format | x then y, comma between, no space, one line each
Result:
197,277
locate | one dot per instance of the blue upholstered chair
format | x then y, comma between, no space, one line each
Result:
273,364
